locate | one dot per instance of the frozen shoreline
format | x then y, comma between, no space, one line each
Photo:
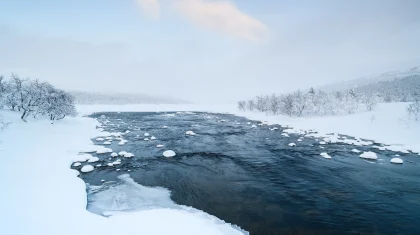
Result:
43,196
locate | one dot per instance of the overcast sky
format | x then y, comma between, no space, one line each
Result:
206,50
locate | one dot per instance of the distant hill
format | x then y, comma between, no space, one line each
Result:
120,98
395,86
364,81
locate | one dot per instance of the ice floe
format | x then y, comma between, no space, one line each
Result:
169,153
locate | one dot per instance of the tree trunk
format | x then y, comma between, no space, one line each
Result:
23,116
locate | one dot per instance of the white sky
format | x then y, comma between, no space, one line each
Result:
210,51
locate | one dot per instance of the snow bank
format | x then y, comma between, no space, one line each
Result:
369,155
50,200
169,153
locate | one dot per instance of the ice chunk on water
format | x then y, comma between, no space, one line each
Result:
93,159
169,153
396,160
369,155
128,196
325,155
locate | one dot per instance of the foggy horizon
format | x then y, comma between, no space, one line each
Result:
206,51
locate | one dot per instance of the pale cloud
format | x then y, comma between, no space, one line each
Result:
223,17
150,7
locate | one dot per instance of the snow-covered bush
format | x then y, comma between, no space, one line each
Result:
32,97
414,110
312,103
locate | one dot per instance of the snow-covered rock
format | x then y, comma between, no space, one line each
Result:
116,163
107,143
87,168
396,160
164,127
169,153
355,151
109,138
122,153
190,133
146,139
299,140
114,154
128,155
369,155
159,146
127,131
325,155
99,165
76,164
285,134
146,134
292,144
104,150
110,164
322,142
100,139
94,159
152,138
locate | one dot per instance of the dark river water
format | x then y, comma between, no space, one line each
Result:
251,177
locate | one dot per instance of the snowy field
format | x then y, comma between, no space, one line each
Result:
42,195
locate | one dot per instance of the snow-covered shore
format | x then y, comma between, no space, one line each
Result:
43,196
387,124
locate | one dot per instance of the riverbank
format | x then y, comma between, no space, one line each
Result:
43,196
387,123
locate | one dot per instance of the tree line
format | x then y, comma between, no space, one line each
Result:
311,103
36,98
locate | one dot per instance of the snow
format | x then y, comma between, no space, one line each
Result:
122,153
93,159
146,134
396,160
325,155
369,155
355,151
87,168
104,150
292,144
146,139
100,139
122,142
169,153
49,210
128,155
152,138
160,146
190,133
114,155
76,164
285,134
107,143
110,164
